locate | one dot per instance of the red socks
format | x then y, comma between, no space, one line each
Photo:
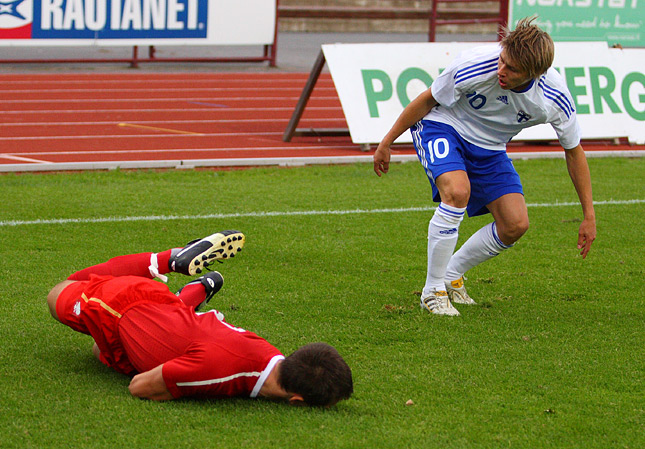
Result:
193,294
143,265
130,265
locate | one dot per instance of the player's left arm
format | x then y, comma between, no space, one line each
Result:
150,385
579,172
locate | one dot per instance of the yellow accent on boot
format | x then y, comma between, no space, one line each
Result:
458,283
438,303
457,292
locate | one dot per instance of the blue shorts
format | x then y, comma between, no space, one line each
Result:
441,149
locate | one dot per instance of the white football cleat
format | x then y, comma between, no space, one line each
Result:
438,303
457,292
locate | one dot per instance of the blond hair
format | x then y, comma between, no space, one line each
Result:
529,47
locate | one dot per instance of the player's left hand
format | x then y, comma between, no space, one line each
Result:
586,236
382,159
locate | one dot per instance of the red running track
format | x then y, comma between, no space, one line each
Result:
98,121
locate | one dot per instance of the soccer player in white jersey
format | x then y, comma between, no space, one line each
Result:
460,127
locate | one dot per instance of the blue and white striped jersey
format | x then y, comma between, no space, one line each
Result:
473,103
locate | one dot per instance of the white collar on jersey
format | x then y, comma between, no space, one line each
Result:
265,374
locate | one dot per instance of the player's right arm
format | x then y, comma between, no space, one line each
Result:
413,112
150,385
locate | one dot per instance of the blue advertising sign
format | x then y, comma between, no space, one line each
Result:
103,19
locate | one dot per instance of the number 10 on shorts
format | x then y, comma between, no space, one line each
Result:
438,148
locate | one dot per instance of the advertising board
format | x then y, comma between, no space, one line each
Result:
376,81
137,22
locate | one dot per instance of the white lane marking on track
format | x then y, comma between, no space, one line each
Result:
160,99
178,110
184,134
145,122
23,159
156,90
183,150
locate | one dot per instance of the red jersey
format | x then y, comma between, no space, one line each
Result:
139,324
202,355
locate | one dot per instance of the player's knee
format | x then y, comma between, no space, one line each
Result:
454,188
52,297
456,196
512,231
521,227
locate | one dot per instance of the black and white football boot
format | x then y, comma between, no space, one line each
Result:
199,254
212,283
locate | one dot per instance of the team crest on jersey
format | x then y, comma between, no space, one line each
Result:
503,99
523,117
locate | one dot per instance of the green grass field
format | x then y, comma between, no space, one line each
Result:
552,357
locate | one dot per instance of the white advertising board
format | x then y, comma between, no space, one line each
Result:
137,22
376,81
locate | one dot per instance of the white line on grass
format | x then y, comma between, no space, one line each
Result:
277,214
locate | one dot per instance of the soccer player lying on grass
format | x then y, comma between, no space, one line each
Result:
460,127
140,328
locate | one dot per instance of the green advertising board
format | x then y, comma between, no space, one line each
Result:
612,21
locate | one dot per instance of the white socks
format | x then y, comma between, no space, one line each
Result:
481,246
443,232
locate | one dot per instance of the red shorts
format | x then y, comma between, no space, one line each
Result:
95,307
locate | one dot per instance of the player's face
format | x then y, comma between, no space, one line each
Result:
509,75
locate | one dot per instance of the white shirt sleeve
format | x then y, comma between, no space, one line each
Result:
562,114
